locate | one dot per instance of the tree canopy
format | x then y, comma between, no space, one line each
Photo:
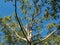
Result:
35,17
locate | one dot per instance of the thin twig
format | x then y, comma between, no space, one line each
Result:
48,35
20,23
16,33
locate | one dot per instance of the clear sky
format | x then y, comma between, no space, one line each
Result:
7,8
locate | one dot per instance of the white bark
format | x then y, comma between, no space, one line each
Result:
48,35
16,33
29,32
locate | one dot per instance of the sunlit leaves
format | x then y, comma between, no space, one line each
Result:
38,21
26,1
32,15
20,33
2,43
50,25
13,25
24,11
46,43
6,19
8,38
38,28
8,35
58,39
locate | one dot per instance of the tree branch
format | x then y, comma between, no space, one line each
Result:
19,21
16,33
39,40
20,36
48,35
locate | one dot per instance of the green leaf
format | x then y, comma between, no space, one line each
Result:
38,28
50,25
24,11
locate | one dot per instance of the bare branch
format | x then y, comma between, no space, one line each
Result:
16,33
20,36
48,35
37,34
39,40
19,22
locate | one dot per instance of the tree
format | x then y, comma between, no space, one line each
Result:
35,22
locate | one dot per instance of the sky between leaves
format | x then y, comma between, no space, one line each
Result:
7,9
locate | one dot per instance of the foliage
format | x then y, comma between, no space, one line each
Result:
31,14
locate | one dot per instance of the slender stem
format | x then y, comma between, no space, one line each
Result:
18,18
19,21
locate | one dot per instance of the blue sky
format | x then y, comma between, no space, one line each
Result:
7,9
